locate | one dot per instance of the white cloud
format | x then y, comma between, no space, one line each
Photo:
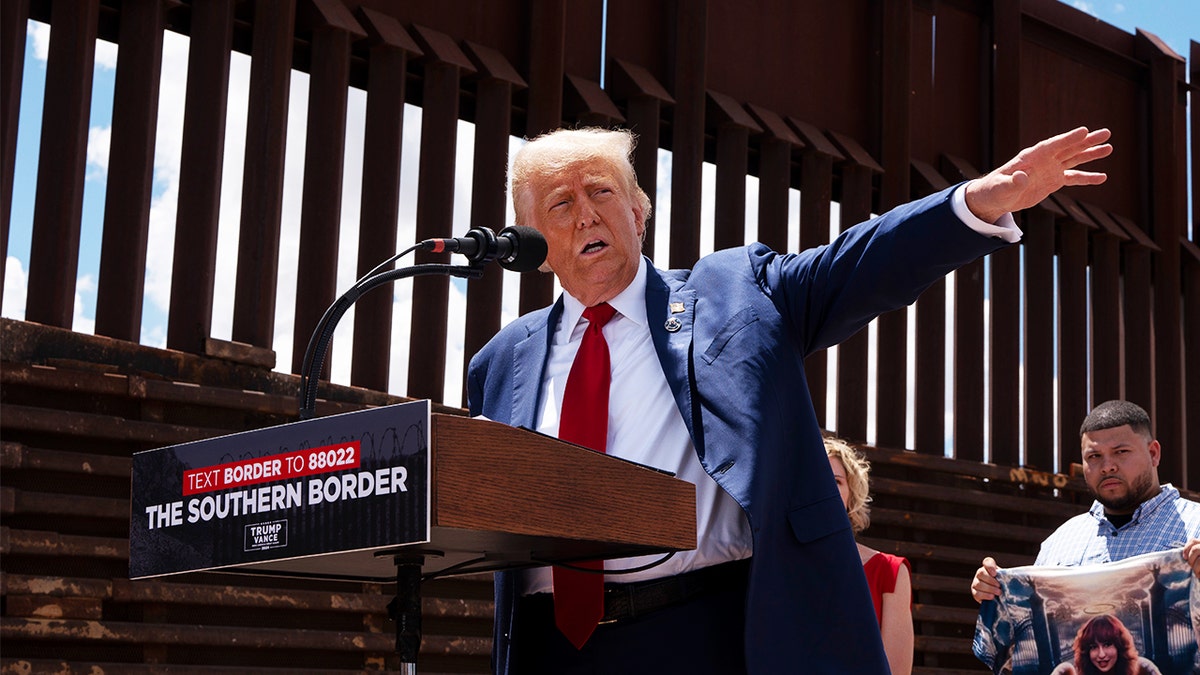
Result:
40,32
81,323
106,55
15,285
99,142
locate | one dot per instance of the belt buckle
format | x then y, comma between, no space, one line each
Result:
612,592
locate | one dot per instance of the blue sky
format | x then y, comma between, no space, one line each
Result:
1175,21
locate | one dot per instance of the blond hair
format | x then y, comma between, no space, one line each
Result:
857,471
559,150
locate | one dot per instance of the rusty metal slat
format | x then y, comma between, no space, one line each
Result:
690,23
1107,333
1137,305
262,177
14,16
1004,412
122,277
124,632
937,523
57,587
14,456
930,383
493,119
321,210
70,506
546,34
852,370
41,543
1168,206
1039,337
968,361
58,204
63,379
112,384
774,180
380,208
816,193
1191,354
729,218
157,591
435,211
643,115
193,274
88,425
1073,347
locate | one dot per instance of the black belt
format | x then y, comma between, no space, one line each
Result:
626,601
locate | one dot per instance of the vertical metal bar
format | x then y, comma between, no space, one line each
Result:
729,226
1168,208
816,193
58,204
1191,355
968,362
380,209
122,278
1040,341
1004,411
193,273
262,178
929,380
853,353
547,39
435,211
14,17
894,124
1073,339
493,125
1138,299
1107,373
687,140
324,157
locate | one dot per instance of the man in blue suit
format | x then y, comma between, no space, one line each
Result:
707,381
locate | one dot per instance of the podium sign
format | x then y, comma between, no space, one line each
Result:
276,497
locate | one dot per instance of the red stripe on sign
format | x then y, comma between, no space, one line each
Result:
273,468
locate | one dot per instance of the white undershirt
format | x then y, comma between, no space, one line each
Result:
661,440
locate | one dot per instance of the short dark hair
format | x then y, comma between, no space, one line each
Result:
1113,414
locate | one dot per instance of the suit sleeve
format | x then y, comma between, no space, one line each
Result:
832,291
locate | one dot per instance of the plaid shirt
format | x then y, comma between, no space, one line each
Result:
1167,521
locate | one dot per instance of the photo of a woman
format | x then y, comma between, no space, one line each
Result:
1104,645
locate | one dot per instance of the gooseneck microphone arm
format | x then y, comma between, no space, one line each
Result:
517,248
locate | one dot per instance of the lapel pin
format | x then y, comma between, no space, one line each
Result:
676,307
673,325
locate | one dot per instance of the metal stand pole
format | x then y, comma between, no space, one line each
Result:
405,610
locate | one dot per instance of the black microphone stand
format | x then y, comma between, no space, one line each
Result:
405,608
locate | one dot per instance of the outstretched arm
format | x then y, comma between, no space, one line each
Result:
1037,172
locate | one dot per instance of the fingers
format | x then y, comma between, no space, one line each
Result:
985,586
1191,553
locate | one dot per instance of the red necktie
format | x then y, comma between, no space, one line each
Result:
579,596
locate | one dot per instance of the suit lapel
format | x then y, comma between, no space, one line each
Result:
668,303
529,365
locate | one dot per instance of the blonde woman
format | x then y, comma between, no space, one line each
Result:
887,575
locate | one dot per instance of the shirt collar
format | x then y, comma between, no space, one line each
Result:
629,303
1166,493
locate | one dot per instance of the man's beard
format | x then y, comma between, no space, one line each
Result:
1140,489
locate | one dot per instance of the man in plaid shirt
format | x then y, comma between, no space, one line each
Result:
1133,514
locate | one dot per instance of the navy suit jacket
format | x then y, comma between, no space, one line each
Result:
737,374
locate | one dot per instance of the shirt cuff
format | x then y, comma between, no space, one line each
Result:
1005,228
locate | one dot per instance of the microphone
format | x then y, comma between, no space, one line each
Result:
518,248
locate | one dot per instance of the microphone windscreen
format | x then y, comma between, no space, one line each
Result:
529,250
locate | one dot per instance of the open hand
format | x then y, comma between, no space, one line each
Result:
1037,172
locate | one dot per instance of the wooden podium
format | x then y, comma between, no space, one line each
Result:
396,493
504,497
